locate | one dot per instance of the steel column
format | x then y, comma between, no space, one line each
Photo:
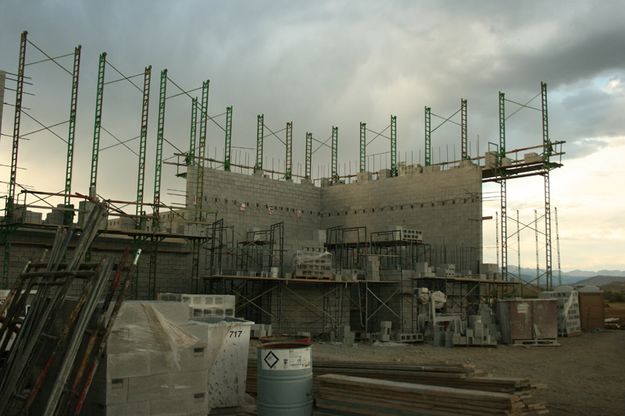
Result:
308,166
335,150
393,145
428,136
503,199
260,134
158,164
464,145
142,146
288,171
71,134
199,186
95,151
192,133
228,139
19,91
363,147
547,186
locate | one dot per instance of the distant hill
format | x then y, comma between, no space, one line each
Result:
574,277
586,274
602,280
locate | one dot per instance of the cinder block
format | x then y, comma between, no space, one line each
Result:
117,409
108,391
166,386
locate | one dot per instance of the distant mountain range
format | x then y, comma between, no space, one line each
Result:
602,280
598,278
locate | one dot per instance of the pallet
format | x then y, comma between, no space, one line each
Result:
539,342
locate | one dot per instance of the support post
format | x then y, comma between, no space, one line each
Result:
428,136
464,141
199,189
69,164
228,139
335,151
192,133
288,171
363,147
260,134
19,91
158,164
142,146
95,151
393,145
308,166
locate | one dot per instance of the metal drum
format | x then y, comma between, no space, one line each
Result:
284,379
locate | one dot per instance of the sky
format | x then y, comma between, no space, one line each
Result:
337,63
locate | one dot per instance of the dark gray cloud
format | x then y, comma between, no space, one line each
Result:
325,63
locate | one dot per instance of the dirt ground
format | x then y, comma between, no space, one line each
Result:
585,375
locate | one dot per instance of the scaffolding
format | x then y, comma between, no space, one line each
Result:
390,133
508,167
260,256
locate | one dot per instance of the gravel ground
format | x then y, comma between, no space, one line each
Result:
585,375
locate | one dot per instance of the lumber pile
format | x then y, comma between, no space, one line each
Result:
347,395
446,375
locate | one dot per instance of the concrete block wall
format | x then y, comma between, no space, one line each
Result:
445,205
173,260
267,202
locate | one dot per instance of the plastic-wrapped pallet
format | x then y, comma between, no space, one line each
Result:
227,358
153,365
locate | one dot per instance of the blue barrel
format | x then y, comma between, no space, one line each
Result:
284,379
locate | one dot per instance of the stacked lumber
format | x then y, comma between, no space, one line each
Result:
347,395
446,375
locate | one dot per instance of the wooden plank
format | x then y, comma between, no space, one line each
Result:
412,388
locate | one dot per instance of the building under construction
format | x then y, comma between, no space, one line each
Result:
301,252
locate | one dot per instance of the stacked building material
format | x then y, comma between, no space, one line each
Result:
307,265
204,306
569,323
446,270
529,322
153,366
158,362
481,329
227,360
446,375
346,395
260,330
591,308
409,234
423,269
